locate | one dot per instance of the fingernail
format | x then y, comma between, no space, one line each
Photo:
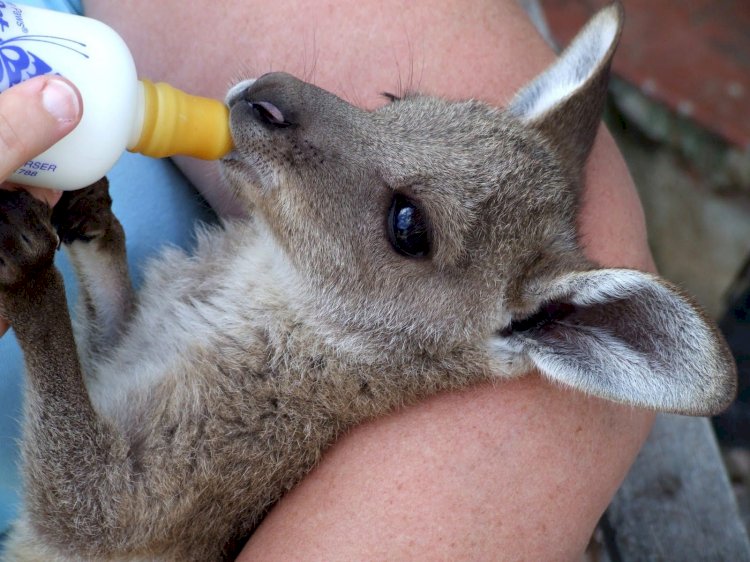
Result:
61,101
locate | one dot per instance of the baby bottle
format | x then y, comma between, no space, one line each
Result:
120,112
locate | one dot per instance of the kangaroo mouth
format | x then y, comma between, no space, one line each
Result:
232,156
234,161
240,170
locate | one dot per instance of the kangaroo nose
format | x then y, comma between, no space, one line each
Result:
274,99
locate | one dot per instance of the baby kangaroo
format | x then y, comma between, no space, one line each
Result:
391,254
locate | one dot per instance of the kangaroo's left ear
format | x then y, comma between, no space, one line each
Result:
565,102
625,336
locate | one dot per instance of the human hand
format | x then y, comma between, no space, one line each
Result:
34,115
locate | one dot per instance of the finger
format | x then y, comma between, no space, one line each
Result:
49,196
34,115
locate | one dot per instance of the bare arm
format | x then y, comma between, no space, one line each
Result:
521,468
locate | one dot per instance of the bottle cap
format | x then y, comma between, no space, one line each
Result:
175,122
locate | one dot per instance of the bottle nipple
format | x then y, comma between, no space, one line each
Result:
175,122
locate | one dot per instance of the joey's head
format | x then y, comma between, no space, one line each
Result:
421,217
428,225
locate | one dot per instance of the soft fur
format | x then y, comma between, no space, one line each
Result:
197,403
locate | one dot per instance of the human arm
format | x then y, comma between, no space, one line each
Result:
33,116
523,468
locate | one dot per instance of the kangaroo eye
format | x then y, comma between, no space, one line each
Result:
407,228
269,113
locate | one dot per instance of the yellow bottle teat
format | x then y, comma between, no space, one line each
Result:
178,123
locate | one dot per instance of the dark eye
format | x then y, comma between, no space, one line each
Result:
269,114
407,227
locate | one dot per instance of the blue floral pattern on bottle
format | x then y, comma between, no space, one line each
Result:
17,62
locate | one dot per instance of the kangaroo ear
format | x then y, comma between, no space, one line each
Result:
565,102
626,336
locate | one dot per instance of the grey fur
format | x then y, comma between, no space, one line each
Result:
200,404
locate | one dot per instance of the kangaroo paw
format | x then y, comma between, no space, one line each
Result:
27,238
85,214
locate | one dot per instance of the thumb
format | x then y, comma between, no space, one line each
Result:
34,115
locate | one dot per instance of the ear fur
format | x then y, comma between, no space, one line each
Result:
625,336
565,102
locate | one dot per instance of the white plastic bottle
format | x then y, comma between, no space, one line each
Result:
119,111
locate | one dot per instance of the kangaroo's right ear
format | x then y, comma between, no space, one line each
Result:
565,102
625,336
